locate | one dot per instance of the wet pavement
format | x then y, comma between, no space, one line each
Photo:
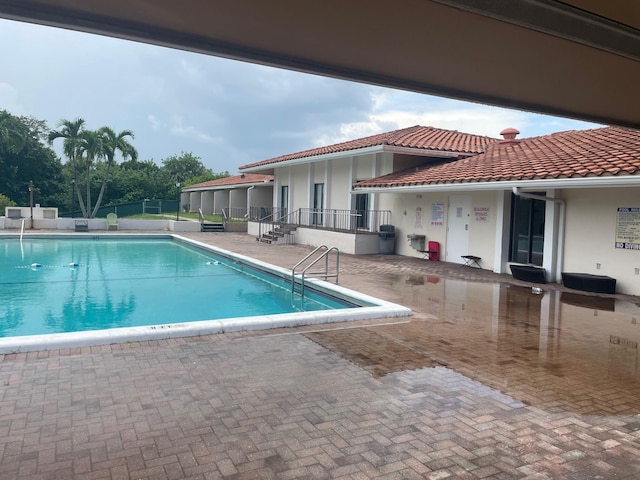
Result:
487,380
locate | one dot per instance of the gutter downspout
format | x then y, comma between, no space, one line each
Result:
560,252
249,200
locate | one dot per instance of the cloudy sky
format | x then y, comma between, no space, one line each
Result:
226,112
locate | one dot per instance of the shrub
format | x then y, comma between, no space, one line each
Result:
5,202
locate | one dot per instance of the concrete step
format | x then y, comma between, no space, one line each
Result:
212,227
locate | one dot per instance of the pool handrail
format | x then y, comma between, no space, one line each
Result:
324,274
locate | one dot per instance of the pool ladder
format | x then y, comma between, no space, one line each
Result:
324,254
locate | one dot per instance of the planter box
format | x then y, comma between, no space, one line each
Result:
528,273
589,283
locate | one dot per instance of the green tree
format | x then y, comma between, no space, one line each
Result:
71,132
111,144
11,135
5,202
90,151
92,155
132,181
206,177
25,156
182,168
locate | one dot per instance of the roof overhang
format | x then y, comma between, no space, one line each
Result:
575,58
416,152
524,185
236,186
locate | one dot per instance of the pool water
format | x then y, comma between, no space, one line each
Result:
69,285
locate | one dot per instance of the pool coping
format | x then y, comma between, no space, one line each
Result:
373,308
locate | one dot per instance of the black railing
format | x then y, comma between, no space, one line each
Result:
259,214
235,214
337,220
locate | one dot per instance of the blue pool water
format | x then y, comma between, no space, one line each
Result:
69,285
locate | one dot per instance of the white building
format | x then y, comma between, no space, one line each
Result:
566,202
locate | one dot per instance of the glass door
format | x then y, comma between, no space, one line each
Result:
318,203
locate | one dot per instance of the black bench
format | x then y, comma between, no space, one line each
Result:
429,254
82,225
589,283
471,260
528,273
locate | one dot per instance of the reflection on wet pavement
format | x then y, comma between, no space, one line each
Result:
555,350
372,350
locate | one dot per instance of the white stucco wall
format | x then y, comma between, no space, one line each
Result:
195,200
207,202
299,187
261,197
590,236
338,196
220,200
482,228
238,198
26,212
338,175
347,243
482,225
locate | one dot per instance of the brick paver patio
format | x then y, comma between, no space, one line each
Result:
439,396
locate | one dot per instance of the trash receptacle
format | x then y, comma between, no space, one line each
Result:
387,239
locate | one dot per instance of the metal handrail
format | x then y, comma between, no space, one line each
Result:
324,274
331,219
268,222
200,215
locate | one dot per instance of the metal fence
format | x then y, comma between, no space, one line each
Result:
131,208
235,214
337,220
266,214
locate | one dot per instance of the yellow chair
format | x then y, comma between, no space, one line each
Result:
112,221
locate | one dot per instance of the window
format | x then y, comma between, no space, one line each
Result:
318,203
362,210
527,230
284,200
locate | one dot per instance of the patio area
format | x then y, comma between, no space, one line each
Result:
487,380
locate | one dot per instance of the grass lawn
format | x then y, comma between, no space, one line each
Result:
183,215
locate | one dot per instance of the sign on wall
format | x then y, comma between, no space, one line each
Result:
418,221
437,214
481,214
628,228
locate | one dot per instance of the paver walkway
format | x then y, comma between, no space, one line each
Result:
440,396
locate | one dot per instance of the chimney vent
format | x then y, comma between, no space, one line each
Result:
509,135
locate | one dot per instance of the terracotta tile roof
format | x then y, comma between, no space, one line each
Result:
424,138
577,153
235,180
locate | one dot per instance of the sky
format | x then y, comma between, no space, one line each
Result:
227,113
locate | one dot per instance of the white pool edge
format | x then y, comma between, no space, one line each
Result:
379,309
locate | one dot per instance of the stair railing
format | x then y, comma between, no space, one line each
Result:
326,251
225,218
269,223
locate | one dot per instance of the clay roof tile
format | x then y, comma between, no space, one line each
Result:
575,153
419,137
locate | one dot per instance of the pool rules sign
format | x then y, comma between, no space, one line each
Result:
628,228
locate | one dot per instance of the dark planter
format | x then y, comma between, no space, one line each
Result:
589,283
528,273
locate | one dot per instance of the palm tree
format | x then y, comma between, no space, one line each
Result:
89,150
71,131
112,143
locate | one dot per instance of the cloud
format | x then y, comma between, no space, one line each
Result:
226,112
9,99
156,124
191,132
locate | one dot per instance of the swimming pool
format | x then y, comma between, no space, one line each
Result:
63,290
